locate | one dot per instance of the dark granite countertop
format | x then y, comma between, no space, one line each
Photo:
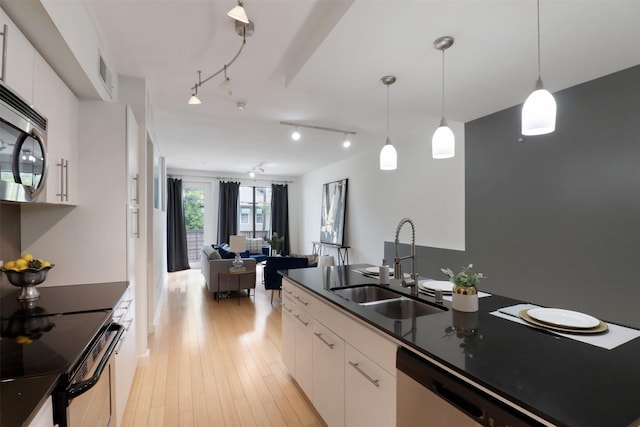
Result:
22,397
567,382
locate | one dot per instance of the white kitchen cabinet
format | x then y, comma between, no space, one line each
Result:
370,392
60,106
44,417
19,67
288,336
328,375
125,357
352,365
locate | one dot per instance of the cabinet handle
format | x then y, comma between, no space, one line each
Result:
287,308
297,316
302,301
323,340
357,368
287,291
66,180
136,232
135,189
61,193
3,77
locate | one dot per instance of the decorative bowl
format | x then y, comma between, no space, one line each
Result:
27,279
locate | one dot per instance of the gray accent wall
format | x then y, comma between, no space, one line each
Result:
555,219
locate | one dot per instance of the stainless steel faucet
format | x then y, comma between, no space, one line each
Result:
397,267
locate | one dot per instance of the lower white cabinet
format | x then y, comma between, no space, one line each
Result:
345,367
125,357
370,392
328,375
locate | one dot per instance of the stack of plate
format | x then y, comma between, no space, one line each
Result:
432,286
563,320
375,271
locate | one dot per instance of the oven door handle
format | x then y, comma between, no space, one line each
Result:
75,390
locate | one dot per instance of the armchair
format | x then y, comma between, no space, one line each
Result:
272,280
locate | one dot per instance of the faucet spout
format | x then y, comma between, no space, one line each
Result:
397,267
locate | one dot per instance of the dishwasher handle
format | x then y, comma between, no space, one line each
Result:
457,400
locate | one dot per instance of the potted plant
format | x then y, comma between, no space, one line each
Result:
465,291
275,242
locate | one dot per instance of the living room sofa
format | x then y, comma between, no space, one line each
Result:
259,253
212,264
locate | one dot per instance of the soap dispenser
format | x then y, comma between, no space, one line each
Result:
384,273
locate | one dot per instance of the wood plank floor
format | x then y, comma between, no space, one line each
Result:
216,364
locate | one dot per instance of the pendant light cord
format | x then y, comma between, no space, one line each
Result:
539,71
387,111
443,83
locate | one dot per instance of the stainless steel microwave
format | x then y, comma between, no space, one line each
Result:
23,148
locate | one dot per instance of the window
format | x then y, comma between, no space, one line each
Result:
244,215
254,206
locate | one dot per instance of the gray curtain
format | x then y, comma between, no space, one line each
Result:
177,256
228,210
280,213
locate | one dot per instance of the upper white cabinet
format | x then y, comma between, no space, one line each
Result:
54,99
19,64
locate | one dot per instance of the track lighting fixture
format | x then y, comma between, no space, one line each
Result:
295,135
443,143
256,168
244,28
388,154
539,110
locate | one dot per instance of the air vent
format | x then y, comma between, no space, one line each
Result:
19,106
105,75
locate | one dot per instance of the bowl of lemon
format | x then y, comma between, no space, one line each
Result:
27,272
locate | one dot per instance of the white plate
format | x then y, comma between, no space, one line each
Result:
376,270
562,317
436,285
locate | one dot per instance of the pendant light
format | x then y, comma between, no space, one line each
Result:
238,13
388,154
443,143
539,110
194,100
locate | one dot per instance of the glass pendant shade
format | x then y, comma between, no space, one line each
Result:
194,100
238,13
295,135
443,143
388,157
539,113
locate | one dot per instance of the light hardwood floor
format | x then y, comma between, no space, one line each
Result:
216,364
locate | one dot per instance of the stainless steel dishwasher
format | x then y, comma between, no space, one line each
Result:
429,396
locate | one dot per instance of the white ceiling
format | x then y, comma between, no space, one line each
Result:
319,62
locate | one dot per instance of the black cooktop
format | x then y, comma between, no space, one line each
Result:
42,345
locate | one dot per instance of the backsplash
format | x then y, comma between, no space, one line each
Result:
9,235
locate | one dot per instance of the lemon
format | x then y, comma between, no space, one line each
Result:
27,257
45,263
9,265
20,264
21,339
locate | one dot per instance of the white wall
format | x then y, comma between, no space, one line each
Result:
430,192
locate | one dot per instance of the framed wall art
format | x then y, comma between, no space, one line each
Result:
334,207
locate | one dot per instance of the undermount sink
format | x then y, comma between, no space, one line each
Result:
386,302
404,308
365,294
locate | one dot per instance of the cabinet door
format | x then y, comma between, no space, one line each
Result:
288,336
56,102
125,359
20,56
328,375
370,392
304,343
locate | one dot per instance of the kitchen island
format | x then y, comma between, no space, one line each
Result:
62,324
562,381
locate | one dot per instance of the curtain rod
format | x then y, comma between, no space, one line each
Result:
228,178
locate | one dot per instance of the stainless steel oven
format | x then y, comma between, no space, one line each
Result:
23,148
84,396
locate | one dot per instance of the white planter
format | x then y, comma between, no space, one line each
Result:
464,299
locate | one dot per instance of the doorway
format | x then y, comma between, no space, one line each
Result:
196,202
